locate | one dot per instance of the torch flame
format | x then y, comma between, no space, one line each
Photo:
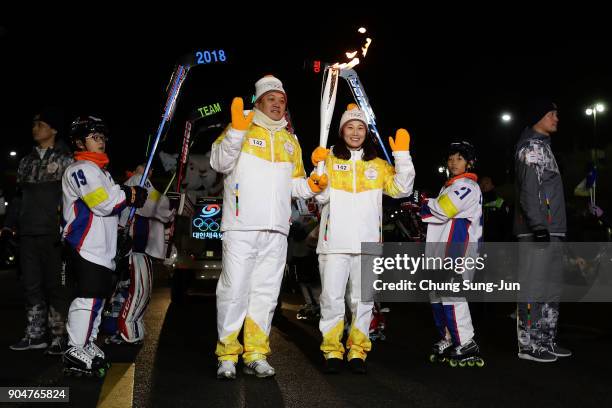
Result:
346,65
352,55
364,49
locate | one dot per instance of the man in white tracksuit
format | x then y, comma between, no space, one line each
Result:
352,214
262,167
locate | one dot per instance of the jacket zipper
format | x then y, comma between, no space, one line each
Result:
354,164
273,190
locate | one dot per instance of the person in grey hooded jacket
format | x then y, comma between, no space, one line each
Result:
539,219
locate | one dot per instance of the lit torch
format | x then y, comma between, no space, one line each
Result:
329,91
328,101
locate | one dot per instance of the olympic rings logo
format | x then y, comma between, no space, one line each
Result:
210,210
206,224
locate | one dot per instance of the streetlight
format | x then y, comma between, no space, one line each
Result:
593,111
506,117
13,153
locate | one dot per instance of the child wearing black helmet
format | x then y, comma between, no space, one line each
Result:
91,205
454,228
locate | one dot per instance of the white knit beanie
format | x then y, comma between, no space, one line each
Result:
352,113
267,84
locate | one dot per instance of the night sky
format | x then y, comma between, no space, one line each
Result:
442,82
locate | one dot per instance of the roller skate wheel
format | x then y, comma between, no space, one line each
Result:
462,364
480,363
471,363
100,373
432,358
453,363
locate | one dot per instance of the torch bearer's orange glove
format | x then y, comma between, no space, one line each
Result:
239,121
317,183
401,142
318,155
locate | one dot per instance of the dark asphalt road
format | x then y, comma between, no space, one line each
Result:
175,367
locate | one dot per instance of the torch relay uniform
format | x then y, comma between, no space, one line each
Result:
262,168
352,214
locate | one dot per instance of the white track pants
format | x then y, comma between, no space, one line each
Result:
247,292
336,271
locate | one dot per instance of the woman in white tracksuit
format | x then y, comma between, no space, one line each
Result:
352,214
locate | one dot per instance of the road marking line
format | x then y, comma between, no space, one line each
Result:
118,388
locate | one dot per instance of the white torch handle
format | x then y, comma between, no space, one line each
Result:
328,102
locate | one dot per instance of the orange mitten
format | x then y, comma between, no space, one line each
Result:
239,121
401,142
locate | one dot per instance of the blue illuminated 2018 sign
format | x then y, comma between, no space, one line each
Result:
210,57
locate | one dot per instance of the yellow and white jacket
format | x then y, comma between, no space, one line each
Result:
262,170
352,211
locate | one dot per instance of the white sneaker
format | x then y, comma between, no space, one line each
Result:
226,369
260,368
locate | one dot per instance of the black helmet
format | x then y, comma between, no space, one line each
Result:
85,125
465,149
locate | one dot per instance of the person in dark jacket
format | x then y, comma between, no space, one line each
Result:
38,225
539,218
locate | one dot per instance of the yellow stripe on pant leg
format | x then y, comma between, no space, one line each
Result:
358,344
229,348
332,342
256,342
118,388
